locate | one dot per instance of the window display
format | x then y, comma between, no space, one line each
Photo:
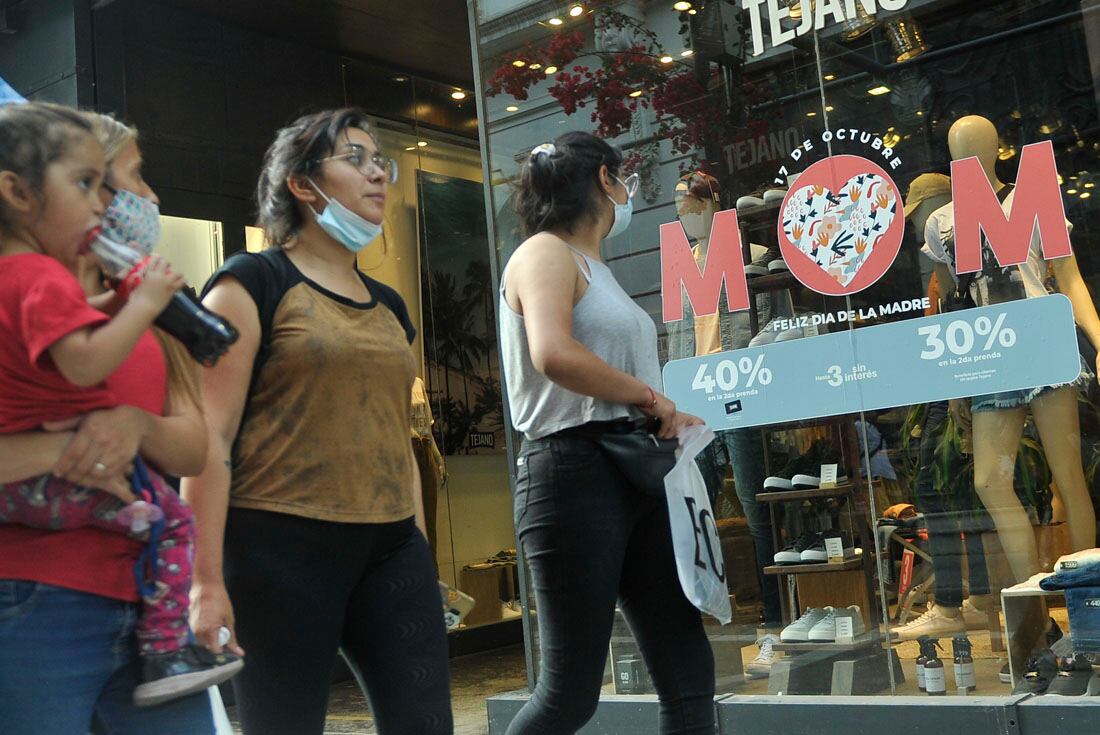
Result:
866,232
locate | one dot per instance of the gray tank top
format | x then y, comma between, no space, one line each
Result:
606,321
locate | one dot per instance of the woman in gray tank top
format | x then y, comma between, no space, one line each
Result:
580,359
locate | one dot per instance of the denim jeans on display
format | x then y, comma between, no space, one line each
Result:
1083,604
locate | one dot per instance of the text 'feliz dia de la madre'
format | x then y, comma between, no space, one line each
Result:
816,16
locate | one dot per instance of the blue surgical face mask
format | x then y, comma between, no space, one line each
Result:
344,225
623,212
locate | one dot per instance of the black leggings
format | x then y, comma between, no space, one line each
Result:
303,589
589,539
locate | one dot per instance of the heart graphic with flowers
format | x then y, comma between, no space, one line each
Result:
839,230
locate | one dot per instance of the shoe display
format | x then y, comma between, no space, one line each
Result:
792,553
802,471
935,623
856,615
824,630
773,195
1039,674
761,266
812,481
799,630
1073,677
751,201
189,670
817,551
769,334
761,666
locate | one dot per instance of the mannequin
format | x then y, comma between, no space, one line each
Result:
428,459
998,429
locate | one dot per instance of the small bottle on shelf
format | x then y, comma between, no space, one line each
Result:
921,659
965,678
935,675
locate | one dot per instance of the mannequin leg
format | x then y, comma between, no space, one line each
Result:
1057,419
996,443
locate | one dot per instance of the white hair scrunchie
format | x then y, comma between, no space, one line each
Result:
547,149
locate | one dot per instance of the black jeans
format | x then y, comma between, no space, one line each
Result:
303,589
945,525
590,539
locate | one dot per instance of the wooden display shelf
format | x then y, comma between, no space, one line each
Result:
867,640
848,565
785,495
772,282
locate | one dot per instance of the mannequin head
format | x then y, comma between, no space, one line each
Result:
974,136
697,202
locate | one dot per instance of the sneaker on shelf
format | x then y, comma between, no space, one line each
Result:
191,669
778,266
799,630
856,615
1040,673
760,265
824,631
935,623
974,617
792,552
1073,677
774,194
761,666
812,481
751,201
800,473
818,552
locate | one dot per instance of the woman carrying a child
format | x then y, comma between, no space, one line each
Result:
69,605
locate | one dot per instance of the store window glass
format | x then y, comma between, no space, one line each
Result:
194,246
866,233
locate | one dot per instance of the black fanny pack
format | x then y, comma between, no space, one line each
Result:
634,449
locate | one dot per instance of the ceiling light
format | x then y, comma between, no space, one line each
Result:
511,108
686,52
1071,191
879,90
693,11
556,21
421,144
411,148
458,94
576,10
400,79
519,63
1090,185
681,6
1086,195
636,93
811,113
830,77
666,59
890,129
536,66
1061,180
829,108
551,70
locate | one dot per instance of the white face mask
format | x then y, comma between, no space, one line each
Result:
344,225
623,212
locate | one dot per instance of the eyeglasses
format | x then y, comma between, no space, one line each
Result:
364,164
631,184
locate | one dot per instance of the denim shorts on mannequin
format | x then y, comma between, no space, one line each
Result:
1019,398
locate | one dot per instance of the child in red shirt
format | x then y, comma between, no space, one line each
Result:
56,351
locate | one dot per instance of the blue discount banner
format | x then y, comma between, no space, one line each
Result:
1011,346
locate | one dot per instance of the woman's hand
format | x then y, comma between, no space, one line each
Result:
671,429
211,610
664,410
103,448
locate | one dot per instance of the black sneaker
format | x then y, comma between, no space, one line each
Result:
812,480
762,266
1040,672
805,467
792,553
190,670
816,552
1073,677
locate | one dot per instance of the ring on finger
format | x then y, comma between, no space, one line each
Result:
99,468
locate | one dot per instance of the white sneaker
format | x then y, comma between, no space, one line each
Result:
761,666
934,623
856,615
825,629
800,629
973,617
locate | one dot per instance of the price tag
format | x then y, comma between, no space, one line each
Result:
828,476
834,548
845,632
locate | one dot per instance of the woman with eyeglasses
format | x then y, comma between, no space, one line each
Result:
307,516
580,359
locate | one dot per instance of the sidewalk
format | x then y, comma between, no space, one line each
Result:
473,679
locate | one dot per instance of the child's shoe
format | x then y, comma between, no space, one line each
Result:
189,670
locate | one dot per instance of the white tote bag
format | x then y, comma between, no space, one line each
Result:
694,533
